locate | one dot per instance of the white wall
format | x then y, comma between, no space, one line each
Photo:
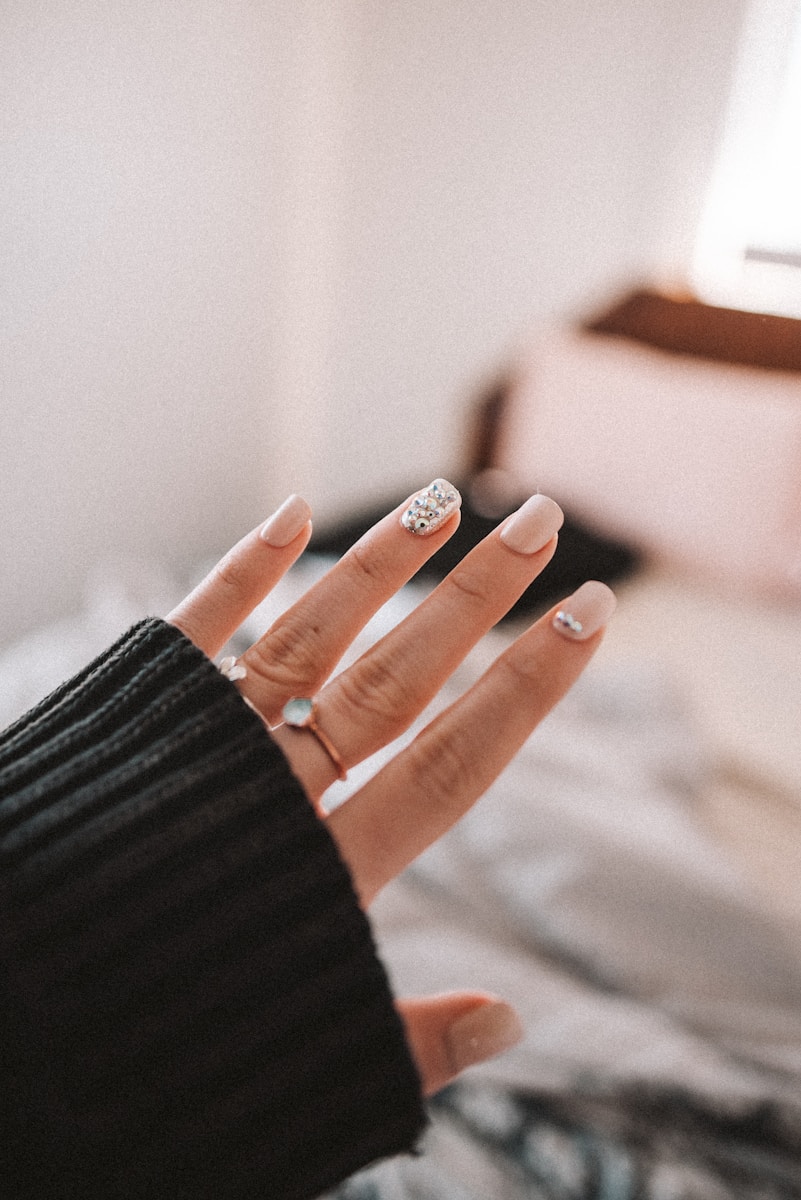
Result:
253,247
134,169
504,162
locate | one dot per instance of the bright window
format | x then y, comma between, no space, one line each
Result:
749,246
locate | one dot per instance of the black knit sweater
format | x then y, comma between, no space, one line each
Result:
191,1001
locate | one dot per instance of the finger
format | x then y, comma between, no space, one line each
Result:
299,652
229,593
448,1033
375,700
425,789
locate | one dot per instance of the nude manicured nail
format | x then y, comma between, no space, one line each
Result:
482,1033
585,612
285,524
533,525
431,508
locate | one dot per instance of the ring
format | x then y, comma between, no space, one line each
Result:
232,669
301,713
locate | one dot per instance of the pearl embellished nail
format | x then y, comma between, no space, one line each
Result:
431,508
585,612
286,523
533,525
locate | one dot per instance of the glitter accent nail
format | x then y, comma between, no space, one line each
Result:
431,508
585,612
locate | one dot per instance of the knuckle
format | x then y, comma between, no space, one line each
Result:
376,691
469,583
367,566
442,770
231,574
522,671
287,657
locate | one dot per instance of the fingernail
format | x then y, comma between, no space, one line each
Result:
482,1033
431,508
285,524
585,612
533,525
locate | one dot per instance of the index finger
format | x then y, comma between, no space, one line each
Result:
426,788
219,604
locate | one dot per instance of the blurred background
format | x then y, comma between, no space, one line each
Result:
252,247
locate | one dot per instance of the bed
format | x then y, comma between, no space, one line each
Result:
633,881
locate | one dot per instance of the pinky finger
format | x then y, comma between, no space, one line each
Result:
216,608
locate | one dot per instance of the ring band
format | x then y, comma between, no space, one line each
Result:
301,713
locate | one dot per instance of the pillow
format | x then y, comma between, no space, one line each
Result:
697,463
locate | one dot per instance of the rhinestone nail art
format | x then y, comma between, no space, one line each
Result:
585,612
431,508
568,621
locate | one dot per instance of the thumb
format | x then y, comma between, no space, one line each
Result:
449,1032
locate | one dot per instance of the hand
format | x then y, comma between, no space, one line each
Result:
431,783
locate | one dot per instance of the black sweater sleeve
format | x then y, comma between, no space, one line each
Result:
192,1005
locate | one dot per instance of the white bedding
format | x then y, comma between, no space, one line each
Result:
735,659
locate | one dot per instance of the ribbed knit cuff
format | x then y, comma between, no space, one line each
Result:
195,1006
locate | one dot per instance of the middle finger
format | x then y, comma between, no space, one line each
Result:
301,649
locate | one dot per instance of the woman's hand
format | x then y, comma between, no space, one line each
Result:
431,783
